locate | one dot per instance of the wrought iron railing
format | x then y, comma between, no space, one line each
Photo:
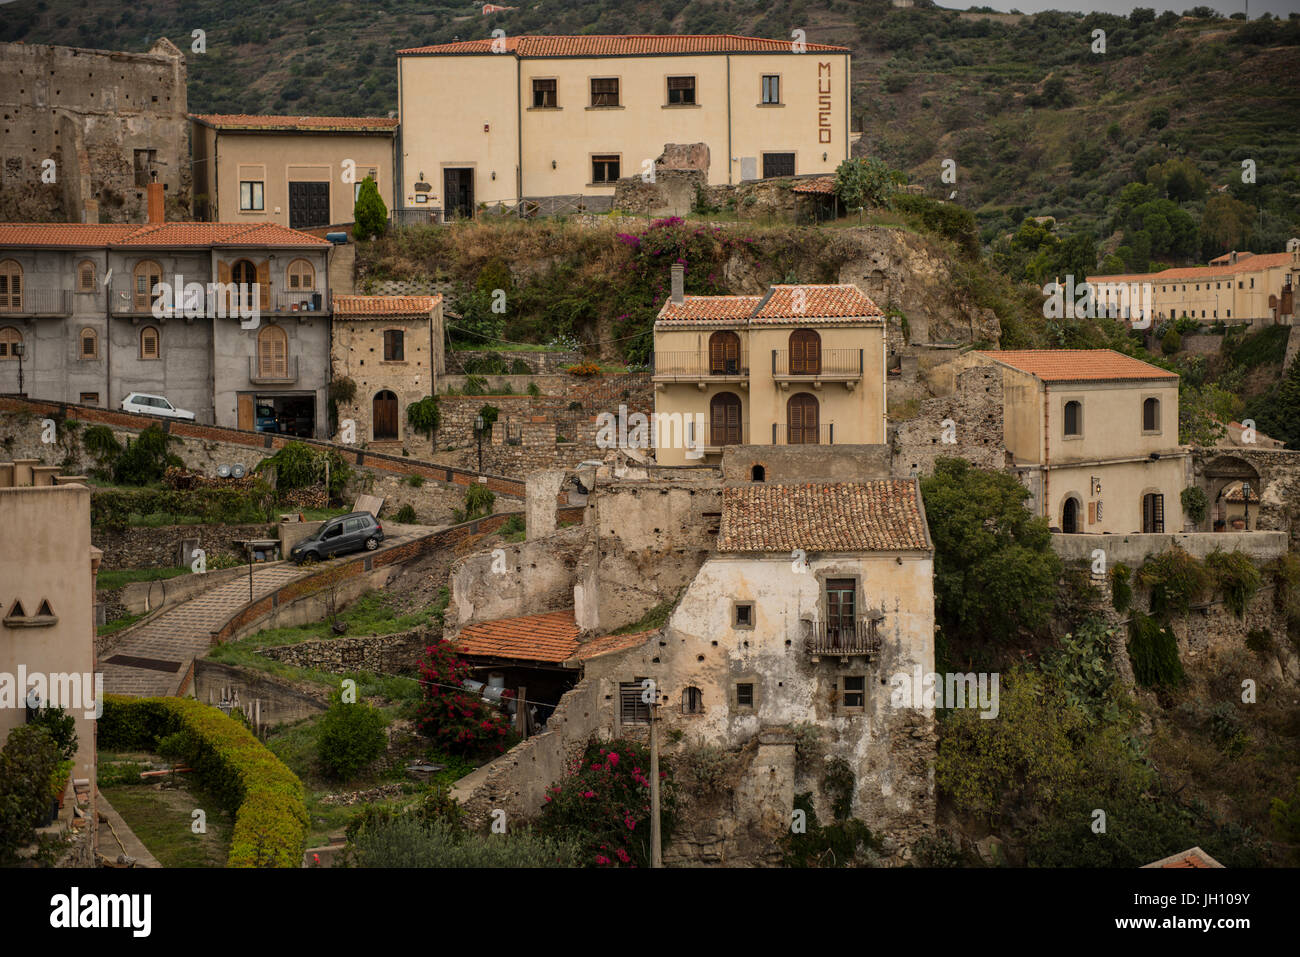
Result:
699,364
803,434
828,362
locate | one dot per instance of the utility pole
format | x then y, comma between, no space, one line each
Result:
656,852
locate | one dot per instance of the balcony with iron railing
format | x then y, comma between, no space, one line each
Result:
842,638
299,300
34,303
803,434
699,365
838,365
265,370
124,302
716,437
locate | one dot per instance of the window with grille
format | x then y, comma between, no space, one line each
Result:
545,94
631,708
681,90
744,695
1153,513
89,344
692,701
771,89
150,347
778,164
11,285
744,614
86,276
90,398
604,91
9,337
604,169
301,275
394,345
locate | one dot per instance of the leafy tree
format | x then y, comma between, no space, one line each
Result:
348,737
27,764
1226,224
1178,179
995,571
866,182
145,459
1278,413
424,416
369,215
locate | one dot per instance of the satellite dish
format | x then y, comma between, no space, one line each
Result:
34,699
223,471
237,471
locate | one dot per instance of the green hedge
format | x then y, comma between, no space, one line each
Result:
229,506
247,779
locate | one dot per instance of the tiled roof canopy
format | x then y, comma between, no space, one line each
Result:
550,637
877,515
315,124
1079,365
635,45
840,303
1203,273
155,235
363,306
817,184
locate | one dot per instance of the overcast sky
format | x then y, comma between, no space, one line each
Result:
1279,8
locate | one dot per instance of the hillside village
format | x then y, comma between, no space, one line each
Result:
607,460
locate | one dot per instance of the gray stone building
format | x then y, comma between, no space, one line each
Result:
85,317
86,131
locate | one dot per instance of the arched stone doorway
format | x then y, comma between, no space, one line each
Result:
384,416
1220,474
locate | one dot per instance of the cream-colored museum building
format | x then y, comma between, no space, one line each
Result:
486,121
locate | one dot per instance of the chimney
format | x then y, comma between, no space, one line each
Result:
90,213
156,204
679,284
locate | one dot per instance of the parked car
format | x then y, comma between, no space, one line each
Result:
154,405
338,536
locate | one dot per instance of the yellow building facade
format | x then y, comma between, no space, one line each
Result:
1094,436
488,121
801,365
298,171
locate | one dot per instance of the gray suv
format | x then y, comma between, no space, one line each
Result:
338,536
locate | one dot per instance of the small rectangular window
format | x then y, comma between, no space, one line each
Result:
744,614
144,161
778,164
744,695
632,709
681,90
250,195
90,398
394,345
854,695
604,91
544,94
604,169
771,88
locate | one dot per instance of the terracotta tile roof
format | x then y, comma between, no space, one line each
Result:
709,309
841,301
1193,857
348,306
1235,493
608,644
155,235
877,515
617,45
318,124
818,184
1202,273
1079,365
550,637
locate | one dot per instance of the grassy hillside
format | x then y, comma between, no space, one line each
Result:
1037,122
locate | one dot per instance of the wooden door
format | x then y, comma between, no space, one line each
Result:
724,354
245,420
724,419
841,609
309,205
385,416
803,420
805,352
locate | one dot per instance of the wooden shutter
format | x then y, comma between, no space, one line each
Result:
1158,508
273,353
802,420
631,709
724,353
724,420
223,277
264,284
805,352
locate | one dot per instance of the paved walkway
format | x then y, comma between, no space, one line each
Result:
150,659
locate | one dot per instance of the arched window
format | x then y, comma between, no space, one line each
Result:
1151,415
301,275
272,353
11,286
243,271
805,352
85,276
1073,418
724,419
9,337
150,343
1070,516
384,416
692,701
758,474
148,275
724,354
803,420
89,344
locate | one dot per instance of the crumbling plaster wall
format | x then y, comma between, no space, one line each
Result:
528,578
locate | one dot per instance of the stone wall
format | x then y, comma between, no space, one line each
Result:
966,424
538,577
1135,549
135,547
398,653
278,700
540,363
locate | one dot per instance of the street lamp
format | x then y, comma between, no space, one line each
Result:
1245,499
478,431
18,350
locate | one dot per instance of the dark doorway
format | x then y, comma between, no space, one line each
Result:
309,205
283,414
458,191
1153,512
1070,516
385,416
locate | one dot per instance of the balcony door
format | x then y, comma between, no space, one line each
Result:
841,611
724,419
805,352
803,421
724,354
